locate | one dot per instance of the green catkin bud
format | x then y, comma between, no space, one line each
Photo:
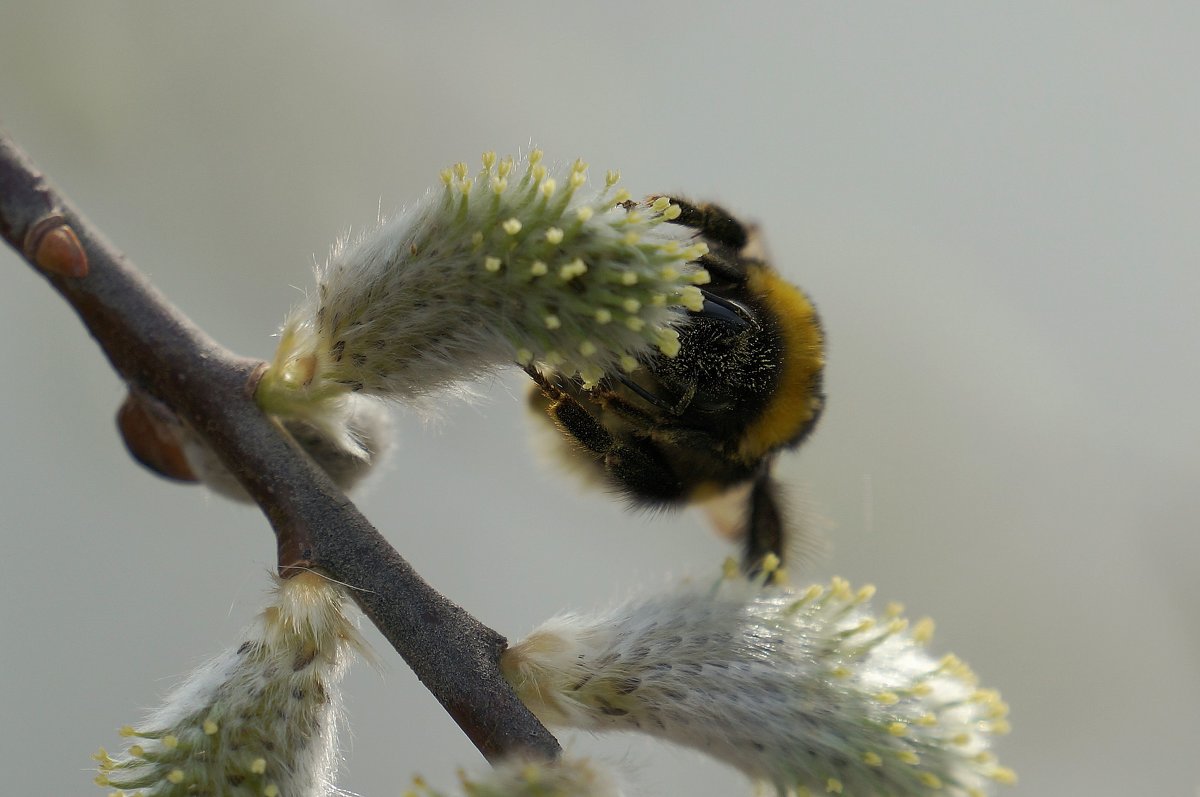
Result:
566,777
469,279
798,689
259,720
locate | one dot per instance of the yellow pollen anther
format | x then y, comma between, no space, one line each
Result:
603,315
888,698
499,185
833,786
668,274
535,157
554,235
909,757
893,609
170,742
621,196
549,187
538,268
701,277
635,324
611,178
587,348
660,204
872,759
865,593
927,720
492,264
460,170
576,268
668,344
1004,776
476,238
137,751
552,322
672,213
629,278
538,173
577,179
506,166
512,226
446,176
840,672
692,298
922,632
489,159
175,776
631,238
591,375
127,730
271,790
584,214
631,305
931,780
898,729
524,356
258,766
629,364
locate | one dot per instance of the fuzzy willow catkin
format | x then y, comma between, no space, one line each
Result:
510,264
257,721
565,777
806,691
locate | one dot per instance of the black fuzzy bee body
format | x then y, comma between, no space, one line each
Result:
745,384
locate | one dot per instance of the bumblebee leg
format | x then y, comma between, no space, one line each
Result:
714,223
635,465
766,532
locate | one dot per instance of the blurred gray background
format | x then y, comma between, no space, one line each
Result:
995,208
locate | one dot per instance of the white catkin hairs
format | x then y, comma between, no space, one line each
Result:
261,719
805,691
566,777
510,264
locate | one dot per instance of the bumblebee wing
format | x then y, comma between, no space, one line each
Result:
756,247
757,516
727,511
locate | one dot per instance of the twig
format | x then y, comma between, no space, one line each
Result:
158,350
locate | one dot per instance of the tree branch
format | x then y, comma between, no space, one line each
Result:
156,349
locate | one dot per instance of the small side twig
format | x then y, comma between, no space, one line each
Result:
156,349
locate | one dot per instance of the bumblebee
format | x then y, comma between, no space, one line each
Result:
709,422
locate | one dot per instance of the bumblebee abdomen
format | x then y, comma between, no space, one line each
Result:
797,400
